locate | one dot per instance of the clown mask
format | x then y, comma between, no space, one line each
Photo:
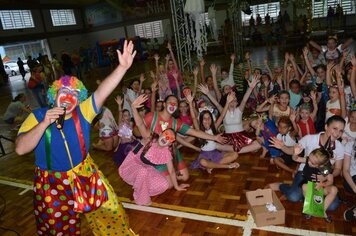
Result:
171,107
166,138
67,97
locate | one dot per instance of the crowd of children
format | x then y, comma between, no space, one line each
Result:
306,120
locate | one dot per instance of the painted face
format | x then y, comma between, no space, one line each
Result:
284,100
333,93
283,128
67,97
304,114
207,121
171,105
334,130
166,138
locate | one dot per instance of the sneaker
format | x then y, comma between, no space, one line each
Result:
328,219
349,214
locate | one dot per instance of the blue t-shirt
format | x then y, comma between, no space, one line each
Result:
86,111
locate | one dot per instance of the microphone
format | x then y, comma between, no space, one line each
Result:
60,120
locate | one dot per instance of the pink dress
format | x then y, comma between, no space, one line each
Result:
146,181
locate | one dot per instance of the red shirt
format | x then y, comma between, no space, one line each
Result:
179,127
303,127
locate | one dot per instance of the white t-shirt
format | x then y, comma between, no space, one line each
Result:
210,145
348,135
287,139
350,151
310,142
233,121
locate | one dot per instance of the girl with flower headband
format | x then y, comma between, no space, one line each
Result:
62,155
138,168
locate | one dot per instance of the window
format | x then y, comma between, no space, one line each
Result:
320,7
152,29
271,8
16,19
63,17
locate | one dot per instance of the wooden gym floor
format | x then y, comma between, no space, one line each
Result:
215,204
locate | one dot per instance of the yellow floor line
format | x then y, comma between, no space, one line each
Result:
192,210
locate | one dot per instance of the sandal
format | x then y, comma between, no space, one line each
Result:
234,165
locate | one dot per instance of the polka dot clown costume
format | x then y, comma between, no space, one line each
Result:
59,154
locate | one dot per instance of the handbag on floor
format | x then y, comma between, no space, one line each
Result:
314,200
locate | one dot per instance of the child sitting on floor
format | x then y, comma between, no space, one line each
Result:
287,133
210,157
312,172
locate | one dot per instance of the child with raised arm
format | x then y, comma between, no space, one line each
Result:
211,158
336,105
227,78
138,169
164,89
173,74
234,132
127,140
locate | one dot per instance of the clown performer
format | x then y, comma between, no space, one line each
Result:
62,157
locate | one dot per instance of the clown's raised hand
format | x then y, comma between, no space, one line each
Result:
126,58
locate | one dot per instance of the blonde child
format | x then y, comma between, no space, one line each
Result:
311,172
